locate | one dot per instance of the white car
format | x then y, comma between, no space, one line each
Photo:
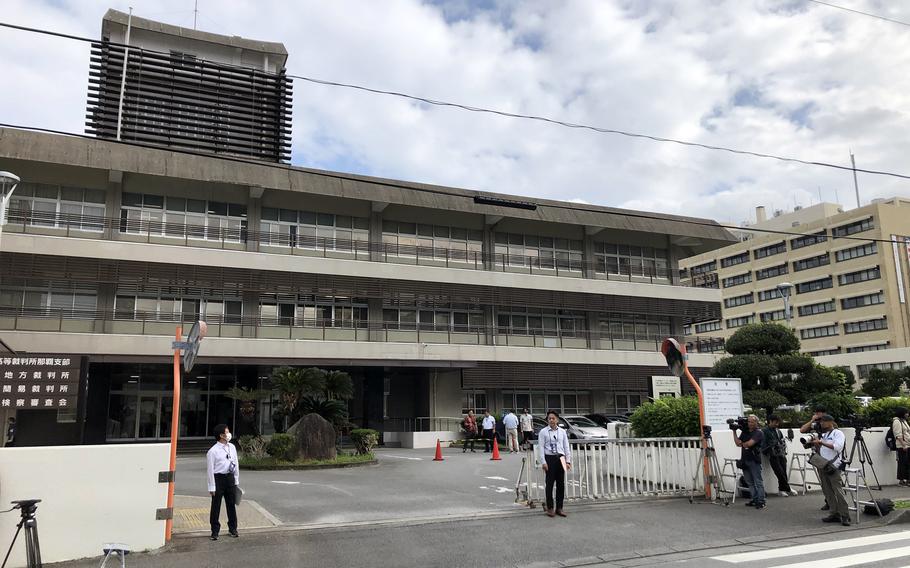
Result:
583,428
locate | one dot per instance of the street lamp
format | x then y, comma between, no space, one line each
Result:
8,183
784,289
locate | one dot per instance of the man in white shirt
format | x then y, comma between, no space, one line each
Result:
553,450
830,445
527,428
510,421
223,474
489,430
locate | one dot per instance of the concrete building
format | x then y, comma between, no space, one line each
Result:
848,291
436,300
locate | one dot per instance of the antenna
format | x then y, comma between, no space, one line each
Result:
855,183
195,12
819,194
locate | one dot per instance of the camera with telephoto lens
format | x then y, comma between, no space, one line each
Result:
807,441
738,423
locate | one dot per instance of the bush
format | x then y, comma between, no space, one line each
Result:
793,418
840,406
280,446
364,440
254,446
667,418
880,412
766,400
767,338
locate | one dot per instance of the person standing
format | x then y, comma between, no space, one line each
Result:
775,447
553,452
470,430
901,431
750,440
527,428
489,430
510,421
10,433
829,446
223,474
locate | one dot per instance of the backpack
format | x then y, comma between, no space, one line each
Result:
884,505
890,441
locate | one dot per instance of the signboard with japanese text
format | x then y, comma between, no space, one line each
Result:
664,387
39,381
723,400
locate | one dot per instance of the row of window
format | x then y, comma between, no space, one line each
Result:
540,402
849,328
863,370
45,205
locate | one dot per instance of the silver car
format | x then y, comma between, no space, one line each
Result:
583,428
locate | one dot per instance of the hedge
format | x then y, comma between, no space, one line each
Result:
667,418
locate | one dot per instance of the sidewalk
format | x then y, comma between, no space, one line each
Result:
191,515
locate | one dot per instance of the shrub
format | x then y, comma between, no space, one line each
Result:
880,412
667,418
767,338
793,418
254,446
766,400
280,446
840,406
364,440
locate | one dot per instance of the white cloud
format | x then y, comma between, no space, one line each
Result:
816,82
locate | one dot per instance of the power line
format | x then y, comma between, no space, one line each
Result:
430,190
844,8
537,118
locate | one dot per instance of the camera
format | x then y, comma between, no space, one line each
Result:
27,507
807,441
856,421
738,423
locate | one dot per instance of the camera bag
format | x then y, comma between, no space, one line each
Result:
884,505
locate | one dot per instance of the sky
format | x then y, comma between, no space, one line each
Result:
786,77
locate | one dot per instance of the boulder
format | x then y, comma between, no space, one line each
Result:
315,438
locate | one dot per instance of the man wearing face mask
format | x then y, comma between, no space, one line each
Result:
223,475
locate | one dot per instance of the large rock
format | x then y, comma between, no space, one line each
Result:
315,438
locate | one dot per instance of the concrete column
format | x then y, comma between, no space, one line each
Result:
489,230
250,311
112,203
673,255
254,218
593,330
489,325
590,233
105,304
376,254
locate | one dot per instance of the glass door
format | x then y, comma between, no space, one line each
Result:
149,416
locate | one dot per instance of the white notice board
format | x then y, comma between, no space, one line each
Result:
667,386
723,399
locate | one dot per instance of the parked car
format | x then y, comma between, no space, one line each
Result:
540,424
602,419
581,428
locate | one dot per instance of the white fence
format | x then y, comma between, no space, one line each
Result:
616,468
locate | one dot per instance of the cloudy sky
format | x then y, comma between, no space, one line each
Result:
787,77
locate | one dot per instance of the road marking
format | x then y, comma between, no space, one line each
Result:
497,478
853,559
287,482
401,457
811,548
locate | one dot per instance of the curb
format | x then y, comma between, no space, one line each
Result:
292,467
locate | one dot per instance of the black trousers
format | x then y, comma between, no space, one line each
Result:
469,436
903,464
224,483
526,436
487,440
779,467
555,476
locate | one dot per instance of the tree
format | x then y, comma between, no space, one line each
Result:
248,407
313,390
849,377
882,383
766,338
767,400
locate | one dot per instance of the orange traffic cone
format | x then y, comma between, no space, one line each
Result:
438,457
495,449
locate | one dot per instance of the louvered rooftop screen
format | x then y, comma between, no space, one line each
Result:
183,102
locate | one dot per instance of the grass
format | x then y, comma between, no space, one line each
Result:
902,504
341,459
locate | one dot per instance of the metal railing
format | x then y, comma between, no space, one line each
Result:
192,235
617,468
150,323
422,424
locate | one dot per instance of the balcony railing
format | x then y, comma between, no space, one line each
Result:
138,323
191,235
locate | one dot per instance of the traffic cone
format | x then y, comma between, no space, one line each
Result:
438,457
495,449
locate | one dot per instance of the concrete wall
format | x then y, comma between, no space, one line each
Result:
427,439
91,495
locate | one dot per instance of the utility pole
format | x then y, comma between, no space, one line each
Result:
126,57
855,183
195,12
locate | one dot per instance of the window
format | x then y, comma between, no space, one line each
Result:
627,402
40,298
814,285
431,241
182,218
776,315
816,332
867,249
739,300
704,268
770,250
738,280
631,327
771,271
822,352
433,316
513,249
863,370
175,304
47,205
811,262
859,276
475,400
734,260
853,228
864,300
819,308
310,310
866,325
611,258
709,326
314,231
740,321
772,294
808,240
536,321
864,348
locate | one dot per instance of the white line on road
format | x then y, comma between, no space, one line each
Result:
401,457
810,548
853,559
497,478
287,482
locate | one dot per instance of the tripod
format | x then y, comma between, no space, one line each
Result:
864,456
708,466
27,509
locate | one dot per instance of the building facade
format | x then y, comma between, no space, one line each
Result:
847,289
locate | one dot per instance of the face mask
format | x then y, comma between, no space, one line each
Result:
227,437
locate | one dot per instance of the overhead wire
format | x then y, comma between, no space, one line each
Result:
522,116
860,12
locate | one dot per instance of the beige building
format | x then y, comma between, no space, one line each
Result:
848,290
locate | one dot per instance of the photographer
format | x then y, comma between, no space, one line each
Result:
812,425
775,447
829,446
750,440
901,431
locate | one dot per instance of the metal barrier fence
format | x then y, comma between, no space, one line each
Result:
617,468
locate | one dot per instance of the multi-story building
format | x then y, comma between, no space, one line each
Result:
436,300
847,289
